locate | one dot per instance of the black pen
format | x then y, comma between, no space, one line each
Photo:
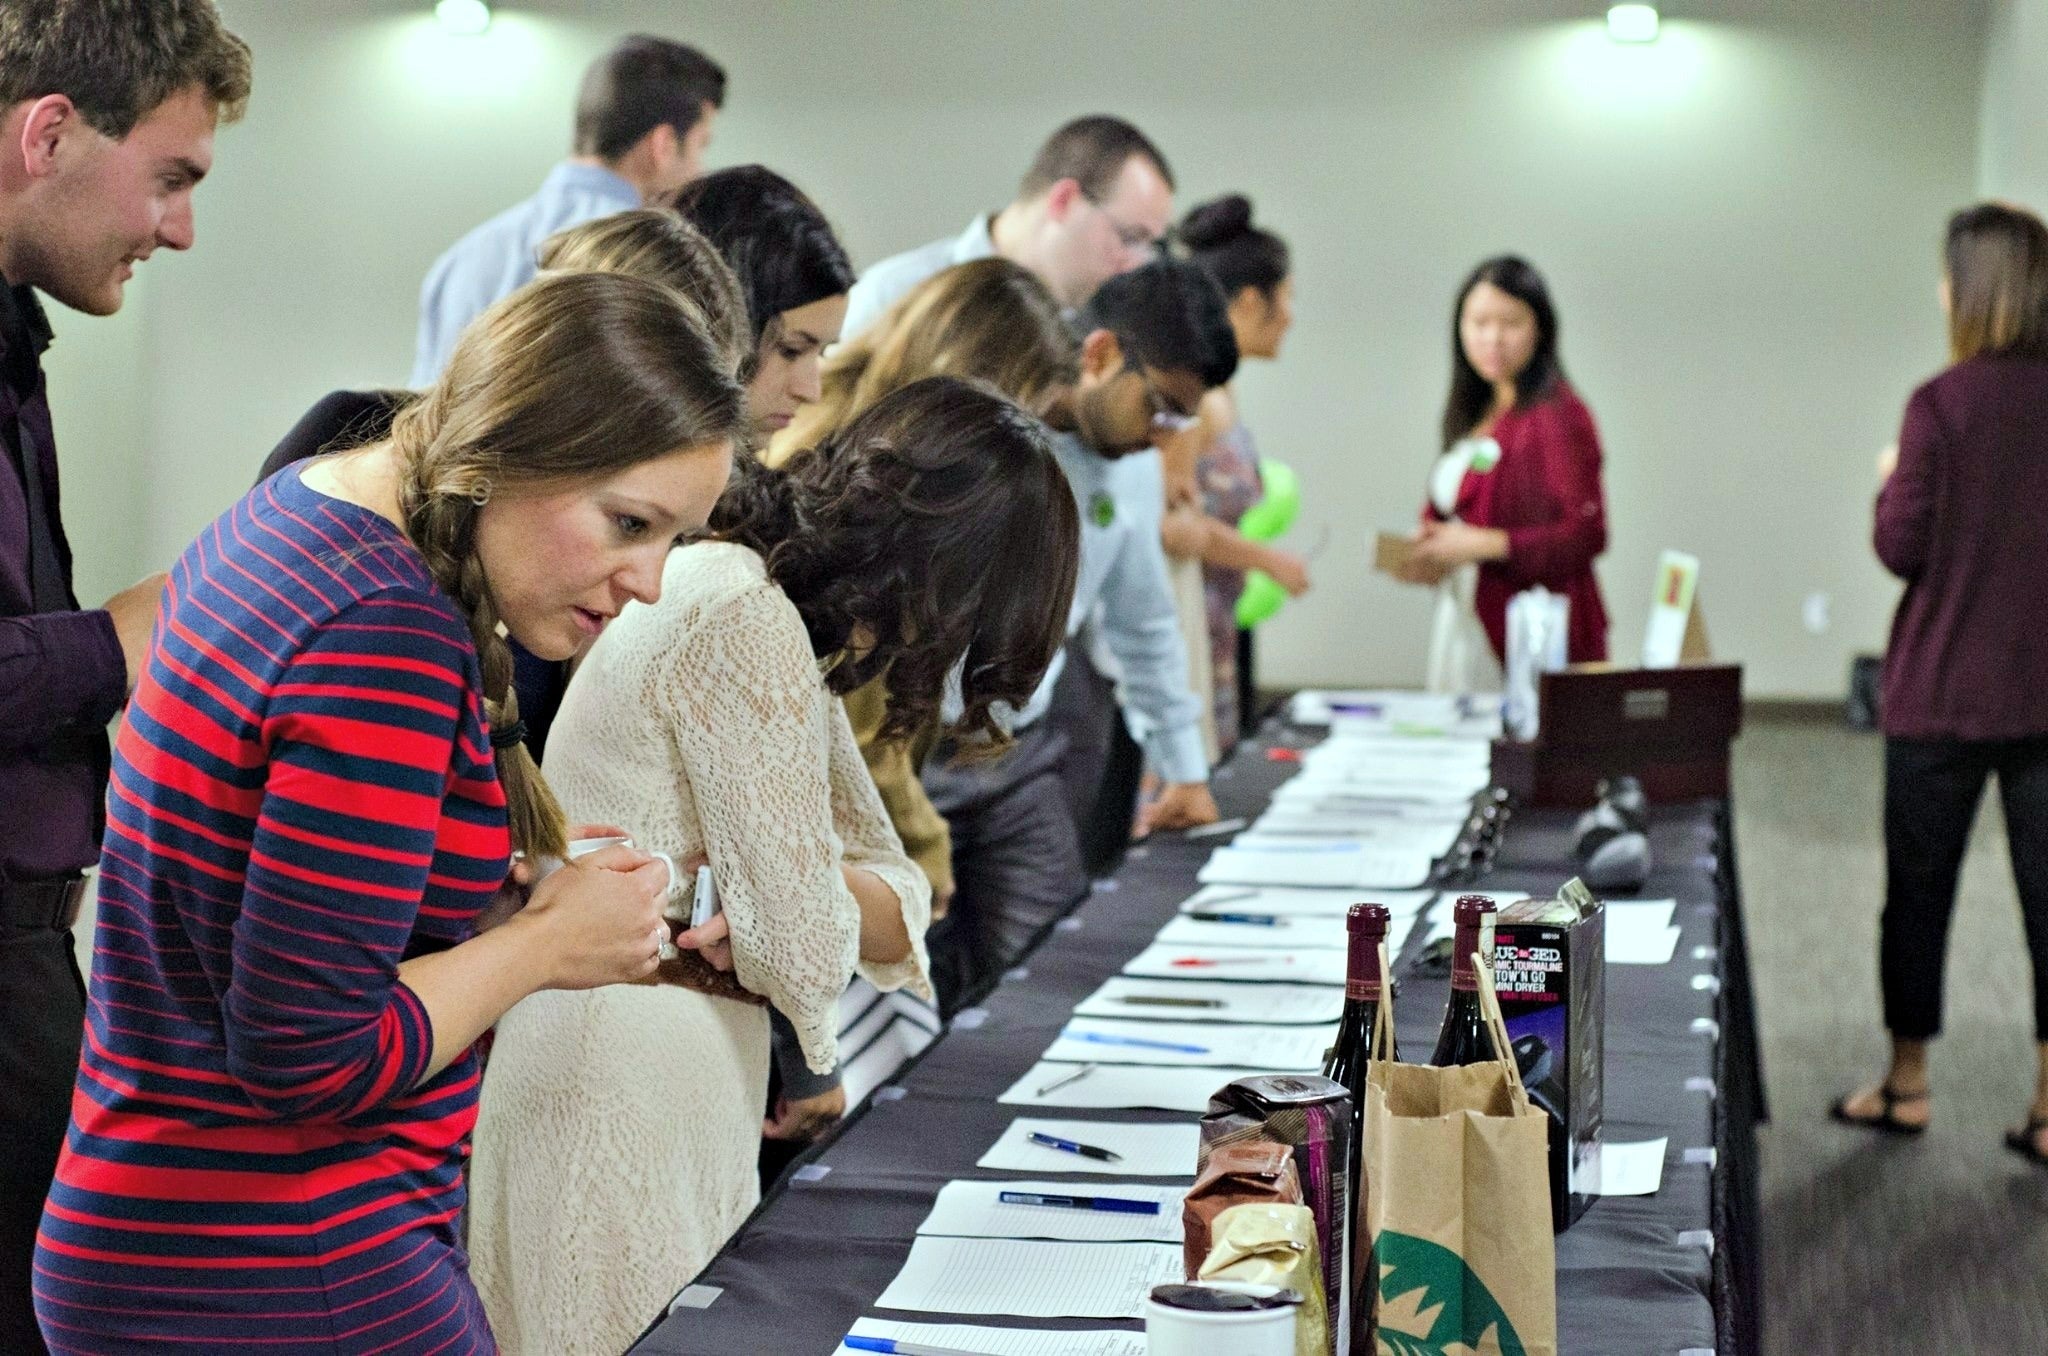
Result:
1264,920
1162,1001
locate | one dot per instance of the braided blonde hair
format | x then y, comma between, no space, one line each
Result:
573,378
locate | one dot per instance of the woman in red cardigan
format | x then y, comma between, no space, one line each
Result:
1515,499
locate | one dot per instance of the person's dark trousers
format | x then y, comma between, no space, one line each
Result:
1106,830
1016,861
1931,791
42,1019
790,1076
1102,764
1248,713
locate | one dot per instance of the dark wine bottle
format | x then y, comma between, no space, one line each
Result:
1346,1061
1464,1038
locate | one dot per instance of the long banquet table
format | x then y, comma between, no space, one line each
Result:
1675,1272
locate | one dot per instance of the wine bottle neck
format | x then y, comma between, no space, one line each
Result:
1464,978
1362,968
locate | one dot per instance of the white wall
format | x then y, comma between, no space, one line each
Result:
2012,138
1740,223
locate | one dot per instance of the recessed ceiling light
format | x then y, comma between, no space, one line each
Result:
467,17
1632,23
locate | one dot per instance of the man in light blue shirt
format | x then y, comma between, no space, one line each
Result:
1095,202
1158,339
643,120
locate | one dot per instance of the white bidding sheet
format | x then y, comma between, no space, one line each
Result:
1143,1150
1003,1341
1120,1086
1031,1279
967,1209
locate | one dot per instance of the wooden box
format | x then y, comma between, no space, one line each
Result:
1669,728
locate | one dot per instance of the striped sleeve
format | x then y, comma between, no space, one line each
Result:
360,736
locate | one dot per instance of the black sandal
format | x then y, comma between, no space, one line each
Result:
1885,1122
2022,1142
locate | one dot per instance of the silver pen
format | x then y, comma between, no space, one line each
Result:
1058,1083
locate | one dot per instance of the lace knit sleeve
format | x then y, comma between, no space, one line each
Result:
752,726
871,843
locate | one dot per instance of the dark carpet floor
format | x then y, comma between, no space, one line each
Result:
1873,1245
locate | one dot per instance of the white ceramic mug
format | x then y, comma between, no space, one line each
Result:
543,867
1175,1329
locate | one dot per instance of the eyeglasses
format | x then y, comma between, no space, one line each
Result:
1137,239
1167,416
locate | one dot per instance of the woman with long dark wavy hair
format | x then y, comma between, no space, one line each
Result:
616,1148
1514,499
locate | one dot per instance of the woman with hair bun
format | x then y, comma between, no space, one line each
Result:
795,276
1212,470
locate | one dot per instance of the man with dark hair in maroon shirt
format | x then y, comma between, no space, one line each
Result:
107,115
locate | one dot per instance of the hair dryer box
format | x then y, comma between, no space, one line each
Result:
1549,971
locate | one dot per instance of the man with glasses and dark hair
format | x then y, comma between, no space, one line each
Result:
1095,203
643,121
1158,339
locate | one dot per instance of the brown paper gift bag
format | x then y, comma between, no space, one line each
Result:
1457,1203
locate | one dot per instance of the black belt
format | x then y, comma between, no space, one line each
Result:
42,903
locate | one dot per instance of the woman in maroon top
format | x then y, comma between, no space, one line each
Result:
1517,492
1966,675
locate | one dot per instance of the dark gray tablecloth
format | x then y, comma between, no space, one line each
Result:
1636,1275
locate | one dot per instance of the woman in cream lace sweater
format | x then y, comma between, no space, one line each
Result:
616,1143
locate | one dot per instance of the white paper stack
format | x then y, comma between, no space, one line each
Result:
1443,922
1284,823
1003,1341
1309,965
1289,901
1213,1001
1142,1149
977,1210
1100,1040
1354,866
1288,932
1632,1169
1120,1087
1423,782
1410,712
1640,932
1031,1279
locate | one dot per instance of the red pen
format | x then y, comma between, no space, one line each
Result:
1190,962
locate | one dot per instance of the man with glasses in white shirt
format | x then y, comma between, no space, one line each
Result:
1158,339
1095,203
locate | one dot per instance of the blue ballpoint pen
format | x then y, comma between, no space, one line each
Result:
899,1347
1075,1147
1135,1042
1117,1205
1264,920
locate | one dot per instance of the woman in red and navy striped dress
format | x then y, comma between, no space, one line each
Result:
312,803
